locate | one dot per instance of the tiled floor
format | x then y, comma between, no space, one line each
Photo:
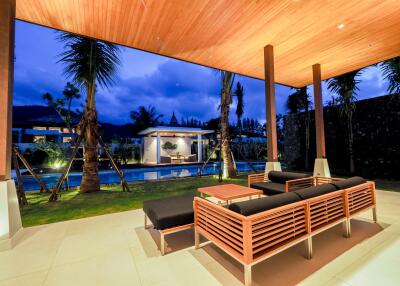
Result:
116,250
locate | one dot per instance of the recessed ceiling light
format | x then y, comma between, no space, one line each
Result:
340,26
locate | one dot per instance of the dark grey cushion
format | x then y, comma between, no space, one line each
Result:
315,191
269,188
170,212
258,205
348,183
282,177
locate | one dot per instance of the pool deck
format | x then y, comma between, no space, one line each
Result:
115,250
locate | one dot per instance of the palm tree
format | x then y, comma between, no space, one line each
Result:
145,117
299,101
239,93
391,72
89,62
346,87
227,79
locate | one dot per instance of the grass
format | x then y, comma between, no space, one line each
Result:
74,205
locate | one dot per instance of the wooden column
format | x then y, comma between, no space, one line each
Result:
7,30
272,143
199,148
319,112
158,148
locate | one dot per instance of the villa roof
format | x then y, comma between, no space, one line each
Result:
171,130
341,35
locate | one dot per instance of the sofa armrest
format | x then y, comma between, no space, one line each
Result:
254,178
298,184
325,180
250,238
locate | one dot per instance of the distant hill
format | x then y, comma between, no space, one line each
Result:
27,116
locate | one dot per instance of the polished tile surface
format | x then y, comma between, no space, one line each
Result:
116,250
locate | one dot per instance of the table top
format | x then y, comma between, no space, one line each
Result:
229,191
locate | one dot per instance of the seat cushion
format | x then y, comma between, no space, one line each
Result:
348,183
258,205
315,191
269,188
170,212
281,177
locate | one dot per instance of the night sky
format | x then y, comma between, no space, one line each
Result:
146,79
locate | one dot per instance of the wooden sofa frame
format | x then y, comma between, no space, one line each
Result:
252,239
291,185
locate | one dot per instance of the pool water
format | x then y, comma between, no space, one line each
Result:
142,174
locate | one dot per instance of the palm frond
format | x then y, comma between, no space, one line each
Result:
391,72
88,59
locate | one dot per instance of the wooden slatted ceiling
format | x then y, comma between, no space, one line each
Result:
231,34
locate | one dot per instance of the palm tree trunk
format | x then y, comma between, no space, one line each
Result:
350,144
90,177
229,168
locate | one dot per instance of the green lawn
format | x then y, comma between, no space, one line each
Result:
73,205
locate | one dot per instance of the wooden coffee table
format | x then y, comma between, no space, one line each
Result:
229,192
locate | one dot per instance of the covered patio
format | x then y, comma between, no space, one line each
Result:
172,145
295,43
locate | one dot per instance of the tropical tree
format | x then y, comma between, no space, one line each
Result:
345,87
299,101
391,72
239,93
89,62
227,79
63,105
145,117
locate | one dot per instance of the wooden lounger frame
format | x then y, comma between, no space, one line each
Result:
166,231
291,185
252,239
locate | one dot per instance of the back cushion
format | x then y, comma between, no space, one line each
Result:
315,191
348,183
282,177
258,205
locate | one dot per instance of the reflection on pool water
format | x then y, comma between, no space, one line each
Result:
142,174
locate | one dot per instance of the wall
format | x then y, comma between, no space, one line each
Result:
376,145
150,147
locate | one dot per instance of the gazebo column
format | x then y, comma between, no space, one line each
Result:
321,167
272,143
10,218
199,148
158,148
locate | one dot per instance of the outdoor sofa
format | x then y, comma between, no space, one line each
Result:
277,182
252,231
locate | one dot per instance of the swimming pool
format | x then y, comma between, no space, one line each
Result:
142,174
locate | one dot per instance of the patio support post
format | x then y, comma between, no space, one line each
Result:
199,149
272,142
321,167
10,218
158,148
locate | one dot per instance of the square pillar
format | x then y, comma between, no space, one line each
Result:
321,167
199,149
158,148
10,218
272,142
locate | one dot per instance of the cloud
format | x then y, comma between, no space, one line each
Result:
146,79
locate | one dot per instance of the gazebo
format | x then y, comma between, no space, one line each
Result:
296,43
169,145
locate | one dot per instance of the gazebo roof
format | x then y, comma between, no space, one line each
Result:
341,35
178,131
